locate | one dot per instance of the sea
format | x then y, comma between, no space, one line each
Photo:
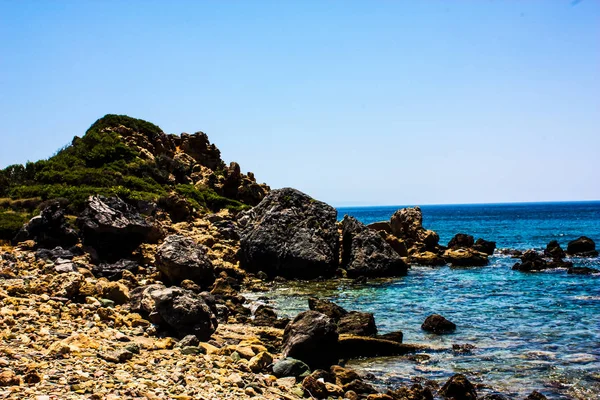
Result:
530,331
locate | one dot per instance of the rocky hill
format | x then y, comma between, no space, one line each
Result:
135,160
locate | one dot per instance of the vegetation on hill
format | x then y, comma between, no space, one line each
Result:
99,163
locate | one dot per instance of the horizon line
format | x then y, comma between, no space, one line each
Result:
333,204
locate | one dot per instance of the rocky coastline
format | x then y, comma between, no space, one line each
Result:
141,299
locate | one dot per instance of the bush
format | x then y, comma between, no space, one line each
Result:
10,223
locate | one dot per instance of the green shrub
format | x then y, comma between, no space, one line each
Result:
10,223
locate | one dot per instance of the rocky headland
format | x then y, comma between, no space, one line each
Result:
125,256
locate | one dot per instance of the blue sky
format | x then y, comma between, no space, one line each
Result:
353,102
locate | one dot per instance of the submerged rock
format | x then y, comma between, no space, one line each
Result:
180,258
532,261
366,253
290,234
535,395
313,338
582,270
583,247
437,324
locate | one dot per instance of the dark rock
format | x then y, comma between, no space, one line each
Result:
484,246
464,257
290,367
437,324
265,316
461,240
583,247
366,253
227,230
458,387
554,250
462,348
415,392
313,338
582,270
290,234
185,312
327,307
531,261
535,395
360,387
49,229
114,271
407,224
395,336
358,324
114,228
58,253
180,258
495,396
188,341
363,346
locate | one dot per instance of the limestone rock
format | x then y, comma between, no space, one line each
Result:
465,257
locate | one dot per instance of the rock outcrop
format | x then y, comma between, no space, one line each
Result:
532,261
582,247
290,234
407,224
114,228
554,250
313,338
180,258
465,257
366,253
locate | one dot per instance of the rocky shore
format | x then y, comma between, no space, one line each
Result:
132,298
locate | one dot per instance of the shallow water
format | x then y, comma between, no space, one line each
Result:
530,331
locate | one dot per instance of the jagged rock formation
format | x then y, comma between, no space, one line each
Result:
290,234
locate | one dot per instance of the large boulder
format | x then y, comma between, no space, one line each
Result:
461,240
180,258
435,323
49,229
532,261
114,228
583,246
366,253
185,312
290,234
311,337
458,387
407,224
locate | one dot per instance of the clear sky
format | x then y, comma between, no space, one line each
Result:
353,102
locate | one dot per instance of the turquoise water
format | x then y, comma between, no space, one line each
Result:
530,331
